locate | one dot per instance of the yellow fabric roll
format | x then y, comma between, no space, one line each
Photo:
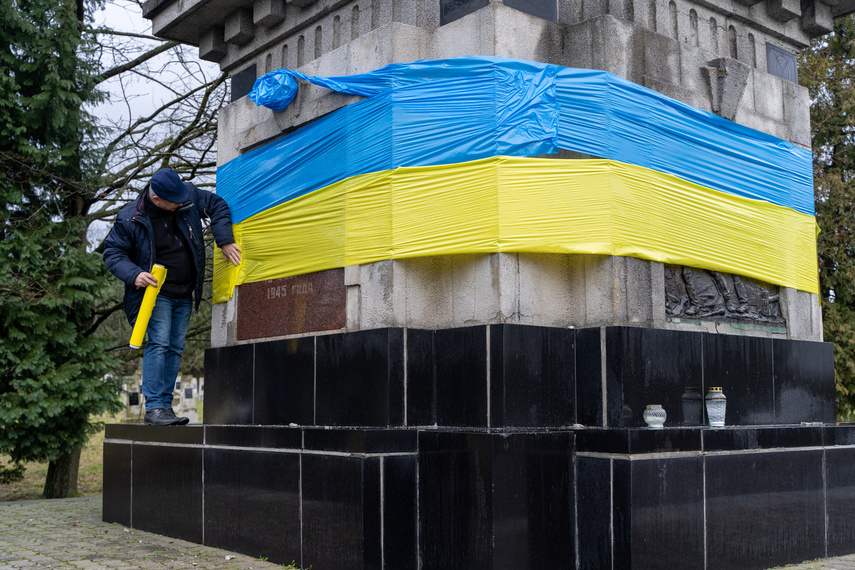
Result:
510,204
146,307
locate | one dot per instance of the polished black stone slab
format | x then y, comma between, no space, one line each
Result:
804,381
840,504
768,437
341,512
639,440
189,434
764,509
589,377
455,500
450,10
229,384
400,512
285,382
121,431
276,437
650,366
166,496
117,483
421,387
790,436
843,434
594,508
447,377
546,9
246,495
486,499
361,440
742,366
360,378
667,503
622,513
242,82
496,500
730,439
533,514
460,376
532,376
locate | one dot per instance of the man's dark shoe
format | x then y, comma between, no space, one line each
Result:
161,417
181,421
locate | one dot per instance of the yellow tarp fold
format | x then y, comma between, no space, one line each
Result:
507,204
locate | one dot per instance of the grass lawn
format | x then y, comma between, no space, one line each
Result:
89,476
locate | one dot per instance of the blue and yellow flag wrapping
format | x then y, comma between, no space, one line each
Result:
441,159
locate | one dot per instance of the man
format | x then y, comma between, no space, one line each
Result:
164,226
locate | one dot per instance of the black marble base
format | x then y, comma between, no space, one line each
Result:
516,376
475,499
322,498
500,446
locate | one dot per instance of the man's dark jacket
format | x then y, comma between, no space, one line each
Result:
129,249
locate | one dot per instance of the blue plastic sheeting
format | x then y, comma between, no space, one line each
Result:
605,115
457,110
501,110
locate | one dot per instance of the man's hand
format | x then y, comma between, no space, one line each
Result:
231,252
145,279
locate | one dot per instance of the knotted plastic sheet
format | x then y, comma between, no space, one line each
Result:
514,204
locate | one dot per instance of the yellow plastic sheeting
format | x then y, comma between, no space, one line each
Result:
506,204
144,314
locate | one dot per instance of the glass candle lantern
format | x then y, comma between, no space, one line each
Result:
654,416
716,406
693,407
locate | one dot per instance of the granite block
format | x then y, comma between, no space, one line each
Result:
284,382
532,376
247,494
293,305
166,496
360,378
229,384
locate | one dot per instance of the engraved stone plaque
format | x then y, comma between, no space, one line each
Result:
546,9
782,63
710,295
450,10
300,304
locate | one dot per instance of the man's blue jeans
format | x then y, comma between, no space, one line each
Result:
162,355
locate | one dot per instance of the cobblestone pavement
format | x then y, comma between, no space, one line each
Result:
839,563
69,534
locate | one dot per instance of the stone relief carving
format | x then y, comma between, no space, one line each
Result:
710,295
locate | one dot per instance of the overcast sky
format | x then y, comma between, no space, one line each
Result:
132,96
138,97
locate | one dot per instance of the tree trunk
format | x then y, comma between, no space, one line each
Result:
61,479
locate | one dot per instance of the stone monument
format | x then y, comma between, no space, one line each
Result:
484,409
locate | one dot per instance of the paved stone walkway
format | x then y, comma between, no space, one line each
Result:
68,534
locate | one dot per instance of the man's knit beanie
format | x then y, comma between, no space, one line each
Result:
168,185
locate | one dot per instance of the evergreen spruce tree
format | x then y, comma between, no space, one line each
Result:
827,69
52,364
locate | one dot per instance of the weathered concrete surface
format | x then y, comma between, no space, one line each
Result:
534,289
674,64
